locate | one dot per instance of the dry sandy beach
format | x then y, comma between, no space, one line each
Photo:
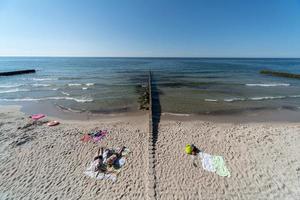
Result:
40,162
263,159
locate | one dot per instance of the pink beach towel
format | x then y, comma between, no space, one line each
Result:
37,116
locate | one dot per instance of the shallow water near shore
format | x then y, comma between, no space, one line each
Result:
197,86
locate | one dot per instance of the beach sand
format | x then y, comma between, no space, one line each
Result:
41,162
263,159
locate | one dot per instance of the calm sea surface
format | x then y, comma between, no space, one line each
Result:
186,85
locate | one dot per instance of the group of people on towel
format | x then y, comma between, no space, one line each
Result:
102,163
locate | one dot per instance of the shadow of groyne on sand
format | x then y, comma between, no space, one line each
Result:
156,109
154,120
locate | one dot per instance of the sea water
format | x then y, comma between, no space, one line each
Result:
185,85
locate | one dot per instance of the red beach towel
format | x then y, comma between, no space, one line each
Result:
86,138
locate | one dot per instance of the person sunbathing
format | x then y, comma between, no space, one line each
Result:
99,164
113,157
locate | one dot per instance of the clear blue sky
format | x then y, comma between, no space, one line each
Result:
196,28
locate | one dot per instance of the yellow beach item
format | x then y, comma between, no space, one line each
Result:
188,149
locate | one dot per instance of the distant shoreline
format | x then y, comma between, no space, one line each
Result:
149,57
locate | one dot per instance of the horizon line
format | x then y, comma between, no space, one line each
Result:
161,57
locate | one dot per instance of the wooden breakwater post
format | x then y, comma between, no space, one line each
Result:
280,74
151,175
18,72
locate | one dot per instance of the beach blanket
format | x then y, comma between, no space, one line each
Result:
207,162
214,164
111,172
219,164
94,136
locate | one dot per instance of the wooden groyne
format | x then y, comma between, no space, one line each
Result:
18,72
151,175
280,74
143,99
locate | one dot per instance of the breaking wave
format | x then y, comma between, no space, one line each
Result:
40,85
267,98
211,100
234,99
65,93
261,98
267,84
80,100
10,86
176,114
14,90
44,79
80,84
74,84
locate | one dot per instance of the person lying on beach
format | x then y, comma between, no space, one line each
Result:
113,156
100,167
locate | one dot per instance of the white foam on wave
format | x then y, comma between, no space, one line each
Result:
69,109
80,100
84,88
74,84
176,114
211,100
44,79
234,99
267,98
80,84
10,86
25,99
295,96
14,90
40,85
65,93
267,84
261,98
85,100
